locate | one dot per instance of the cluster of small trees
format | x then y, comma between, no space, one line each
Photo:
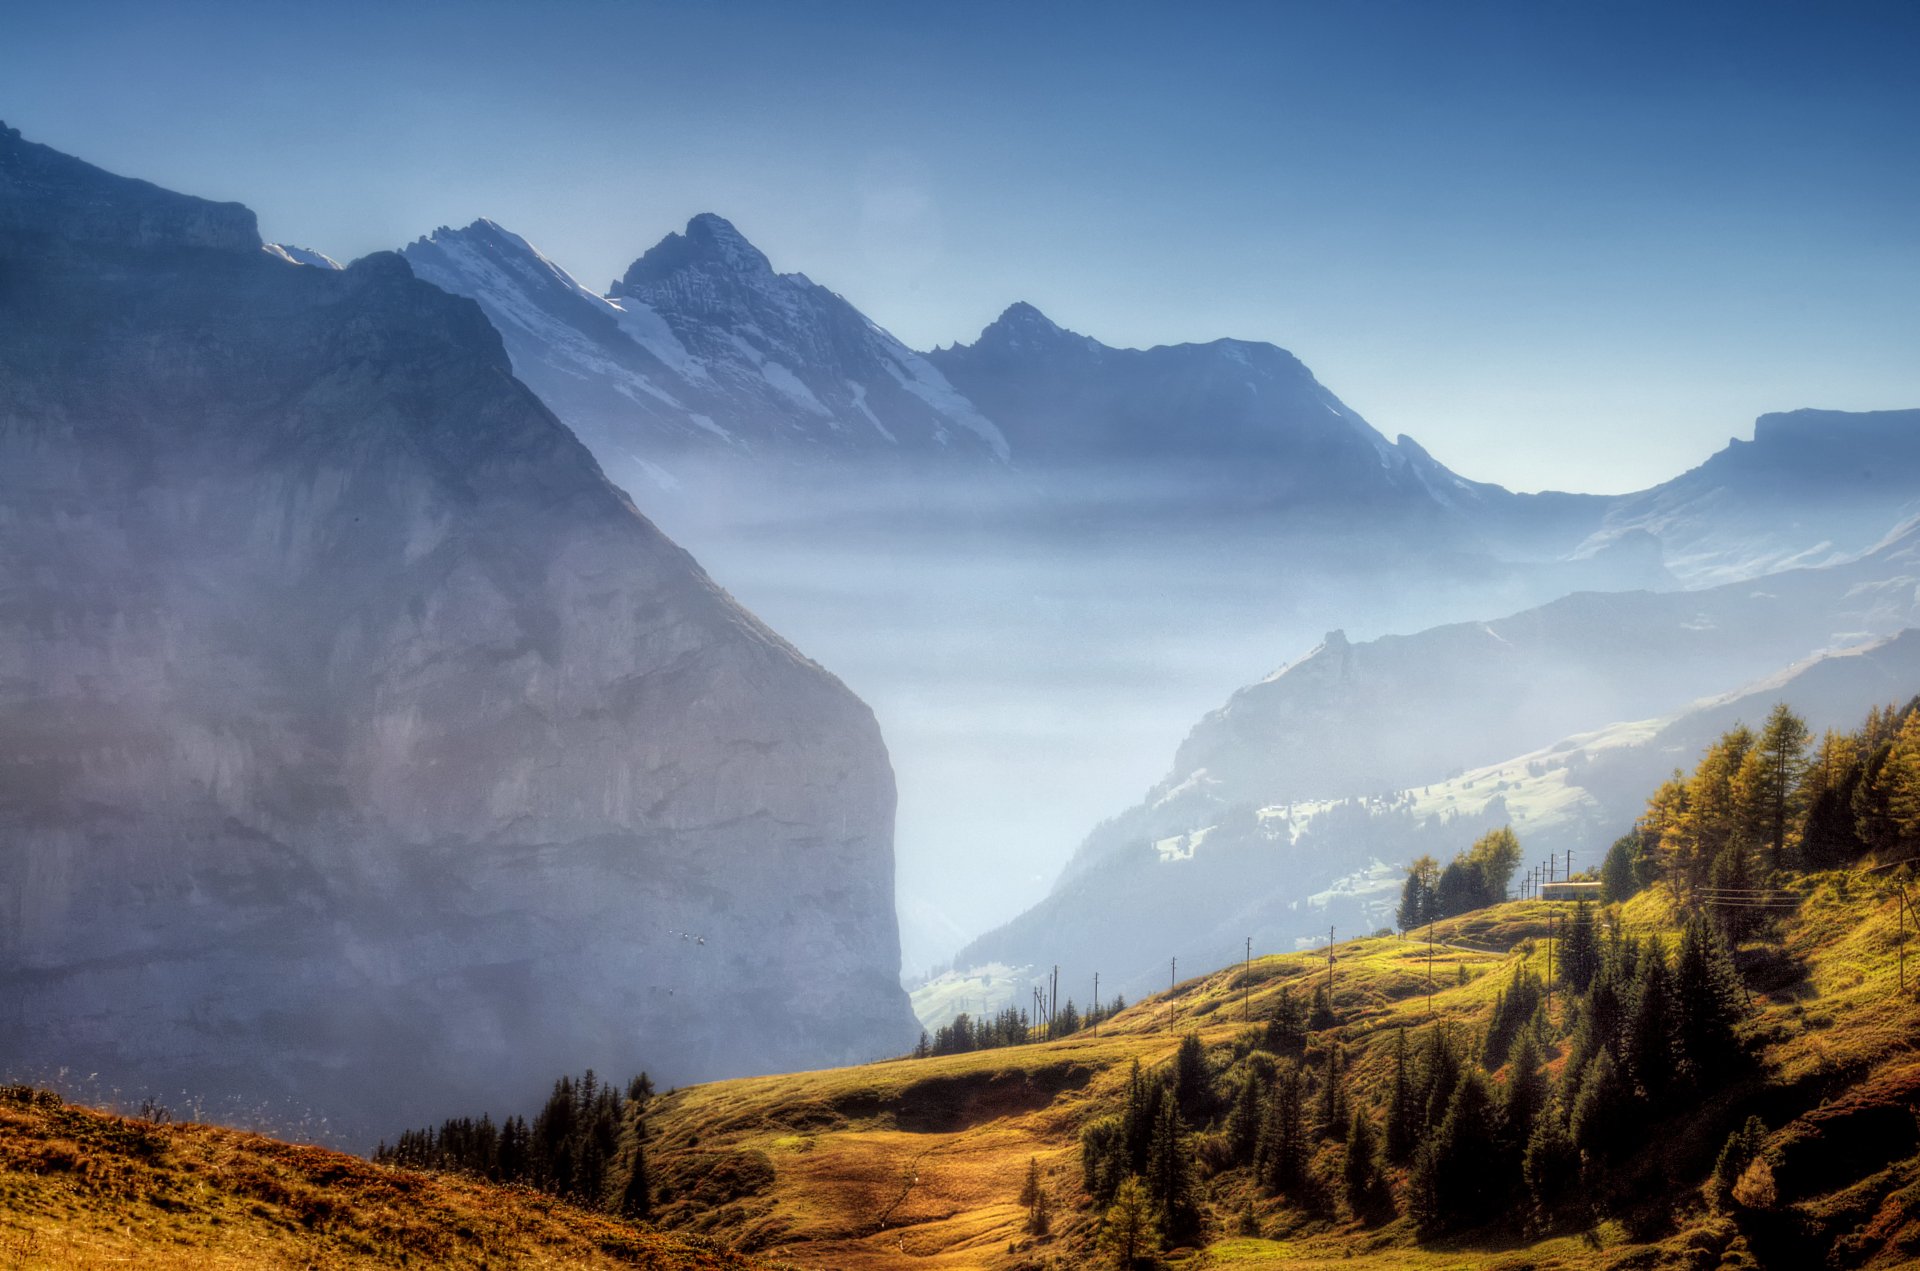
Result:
586,1145
1010,1027
1139,1165
1474,879
1471,1119
1644,1032
1760,803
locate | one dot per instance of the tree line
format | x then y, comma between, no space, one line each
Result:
1473,879
1010,1027
587,1145
1760,804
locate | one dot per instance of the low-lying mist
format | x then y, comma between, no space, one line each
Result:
1036,648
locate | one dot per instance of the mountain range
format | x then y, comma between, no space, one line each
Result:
1298,800
366,752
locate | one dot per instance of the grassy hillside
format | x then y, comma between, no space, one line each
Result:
83,1189
920,1162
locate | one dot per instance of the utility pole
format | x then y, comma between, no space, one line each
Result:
1429,968
1053,999
1329,967
1246,987
1549,961
1173,972
1096,1003
1569,863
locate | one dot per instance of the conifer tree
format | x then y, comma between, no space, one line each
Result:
1039,1216
1030,1189
1580,959
1103,1158
636,1193
1280,1157
1170,1178
1708,1002
1243,1119
1440,1074
1128,1233
1333,1096
1550,1166
1829,837
1417,894
1603,1111
1620,872
1526,1094
1287,1027
1406,1115
1323,1017
1650,1034
1772,780
1456,1179
1366,1182
1192,1084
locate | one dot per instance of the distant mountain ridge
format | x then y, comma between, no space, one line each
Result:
701,350
701,354
1304,792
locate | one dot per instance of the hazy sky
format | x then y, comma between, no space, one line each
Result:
1564,245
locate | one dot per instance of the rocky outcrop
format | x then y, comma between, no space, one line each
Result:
362,749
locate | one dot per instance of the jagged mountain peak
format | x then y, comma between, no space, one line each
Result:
710,243
45,192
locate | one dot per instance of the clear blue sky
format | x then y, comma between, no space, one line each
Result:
1570,245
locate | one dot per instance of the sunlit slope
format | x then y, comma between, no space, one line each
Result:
920,1162
83,1189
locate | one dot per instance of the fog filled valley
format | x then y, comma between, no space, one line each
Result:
427,675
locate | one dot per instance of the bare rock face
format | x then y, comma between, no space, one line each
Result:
362,749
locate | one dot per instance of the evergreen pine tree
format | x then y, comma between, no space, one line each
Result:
1550,1166
1456,1179
1333,1096
1773,785
1620,872
1580,955
1650,1033
1287,1028
1243,1119
1192,1084
1030,1189
1170,1178
1280,1157
1406,1116
1526,1094
1603,1113
1440,1074
1128,1233
1366,1181
1708,1003
1323,1016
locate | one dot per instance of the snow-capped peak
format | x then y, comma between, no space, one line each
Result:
710,243
301,256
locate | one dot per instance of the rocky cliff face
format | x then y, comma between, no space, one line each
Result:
362,749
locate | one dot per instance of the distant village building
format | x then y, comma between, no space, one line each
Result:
1570,891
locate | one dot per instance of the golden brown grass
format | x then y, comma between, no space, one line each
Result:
86,1189
919,1163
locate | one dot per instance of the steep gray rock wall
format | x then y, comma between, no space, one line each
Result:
362,750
